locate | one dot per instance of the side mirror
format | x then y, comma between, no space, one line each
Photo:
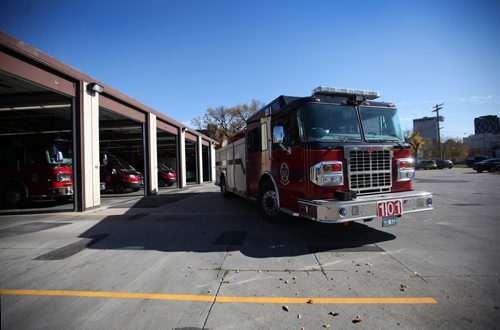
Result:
113,171
278,134
59,157
104,159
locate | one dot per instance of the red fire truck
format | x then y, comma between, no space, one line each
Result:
35,166
335,157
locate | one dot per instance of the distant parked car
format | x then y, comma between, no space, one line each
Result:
472,160
444,164
487,165
426,165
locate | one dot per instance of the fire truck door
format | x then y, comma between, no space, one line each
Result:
258,153
288,163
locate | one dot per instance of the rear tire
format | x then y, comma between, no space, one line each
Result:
223,187
269,204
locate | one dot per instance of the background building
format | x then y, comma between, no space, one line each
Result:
426,127
486,141
487,124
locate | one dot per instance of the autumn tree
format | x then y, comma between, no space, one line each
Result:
455,149
223,123
415,140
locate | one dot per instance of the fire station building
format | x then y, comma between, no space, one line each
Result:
54,118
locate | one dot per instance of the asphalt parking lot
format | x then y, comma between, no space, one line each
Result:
192,259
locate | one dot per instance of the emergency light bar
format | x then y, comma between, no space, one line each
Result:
334,91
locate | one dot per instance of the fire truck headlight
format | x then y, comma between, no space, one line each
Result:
63,177
405,168
328,173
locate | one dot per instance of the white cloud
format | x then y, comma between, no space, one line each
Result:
482,99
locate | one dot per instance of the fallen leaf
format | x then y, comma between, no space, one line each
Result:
299,316
237,270
260,271
310,301
358,319
294,278
326,325
286,282
285,308
333,313
403,287
209,291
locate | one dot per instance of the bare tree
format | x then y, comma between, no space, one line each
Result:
223,123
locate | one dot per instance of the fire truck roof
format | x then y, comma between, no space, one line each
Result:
322,94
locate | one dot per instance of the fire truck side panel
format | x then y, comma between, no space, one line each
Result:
239,167
231,164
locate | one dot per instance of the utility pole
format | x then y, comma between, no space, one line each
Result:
436,108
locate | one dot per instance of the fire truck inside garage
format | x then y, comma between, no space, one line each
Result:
35,144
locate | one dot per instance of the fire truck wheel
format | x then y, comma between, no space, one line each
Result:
118,188
14,195
223,187
269,204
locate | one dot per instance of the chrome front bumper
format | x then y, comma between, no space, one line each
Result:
362,207
63,191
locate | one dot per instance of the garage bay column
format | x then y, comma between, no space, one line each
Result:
182,157
200,159
152,155
90,145
212,161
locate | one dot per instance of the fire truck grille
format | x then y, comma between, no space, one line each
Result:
369,169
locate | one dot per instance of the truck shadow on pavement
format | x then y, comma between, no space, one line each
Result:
207,222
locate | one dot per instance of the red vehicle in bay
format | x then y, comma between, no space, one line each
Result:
118,175
166,175
35,166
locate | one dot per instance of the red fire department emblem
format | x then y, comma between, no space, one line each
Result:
284,173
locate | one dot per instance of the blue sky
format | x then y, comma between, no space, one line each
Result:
180,57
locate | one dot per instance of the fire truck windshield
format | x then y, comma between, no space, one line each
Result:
326,122
59,146
380,124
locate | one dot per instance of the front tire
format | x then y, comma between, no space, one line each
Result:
269,204
14,196
119,188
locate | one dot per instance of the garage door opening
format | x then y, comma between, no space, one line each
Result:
36,147
205,152
167,160
191,162
121,148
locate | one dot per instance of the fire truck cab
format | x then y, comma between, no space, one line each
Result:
35,167
336,156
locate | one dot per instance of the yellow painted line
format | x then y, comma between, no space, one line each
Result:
221,299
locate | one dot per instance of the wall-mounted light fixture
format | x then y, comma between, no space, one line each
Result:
93,87
184,129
